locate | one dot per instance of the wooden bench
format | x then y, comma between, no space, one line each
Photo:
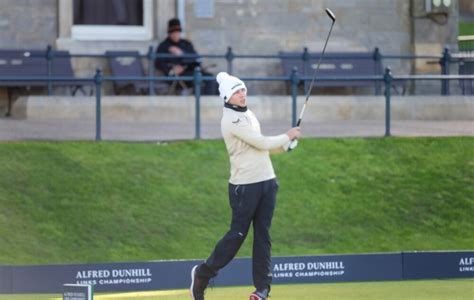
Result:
342,64
33,63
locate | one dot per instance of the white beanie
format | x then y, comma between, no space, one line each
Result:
228,85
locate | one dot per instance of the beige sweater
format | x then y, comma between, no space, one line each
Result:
248,149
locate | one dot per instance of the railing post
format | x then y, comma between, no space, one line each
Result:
378,66
444,61
98,87
305,57
49,66
387,78
197,95
151,56
229,56
294,94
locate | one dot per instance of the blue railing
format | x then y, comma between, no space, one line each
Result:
197,79
293,79
444,60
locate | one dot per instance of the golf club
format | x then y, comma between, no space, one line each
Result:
308,93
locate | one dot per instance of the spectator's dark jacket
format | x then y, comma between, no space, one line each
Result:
165,64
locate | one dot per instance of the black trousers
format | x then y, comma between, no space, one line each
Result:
251,204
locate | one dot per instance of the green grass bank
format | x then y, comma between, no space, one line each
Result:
76,202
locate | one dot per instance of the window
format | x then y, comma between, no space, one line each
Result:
112,20
108,12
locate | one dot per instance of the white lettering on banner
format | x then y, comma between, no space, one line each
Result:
115,276
89,274
283,275
466,264
132,273
329,265
310,269
89,282
125,281
466,261
289,267
319,274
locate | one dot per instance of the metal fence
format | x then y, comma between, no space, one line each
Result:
465,61
293,80
198,79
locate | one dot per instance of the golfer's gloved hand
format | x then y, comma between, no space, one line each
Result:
294,133
290,145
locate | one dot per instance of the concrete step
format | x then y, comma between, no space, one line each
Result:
164,109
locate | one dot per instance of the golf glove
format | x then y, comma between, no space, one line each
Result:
291,145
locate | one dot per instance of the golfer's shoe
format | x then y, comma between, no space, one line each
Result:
198,285
259,295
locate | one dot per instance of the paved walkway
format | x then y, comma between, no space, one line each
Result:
14,129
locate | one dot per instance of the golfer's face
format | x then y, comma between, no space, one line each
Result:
239,98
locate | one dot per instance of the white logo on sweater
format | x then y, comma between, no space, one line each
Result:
241,121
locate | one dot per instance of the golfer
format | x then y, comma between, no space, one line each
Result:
252,189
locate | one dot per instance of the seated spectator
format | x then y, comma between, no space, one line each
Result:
181,66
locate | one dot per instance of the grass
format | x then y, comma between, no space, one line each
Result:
78,202
466,28
395,290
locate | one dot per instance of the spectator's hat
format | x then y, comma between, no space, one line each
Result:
174,25
228,85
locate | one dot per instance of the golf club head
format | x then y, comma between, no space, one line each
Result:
331,14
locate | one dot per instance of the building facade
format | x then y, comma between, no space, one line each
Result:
248,26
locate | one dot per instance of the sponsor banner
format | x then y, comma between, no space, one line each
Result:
139,276
420,265
163,275
337,268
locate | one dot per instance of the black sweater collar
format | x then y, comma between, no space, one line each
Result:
235,107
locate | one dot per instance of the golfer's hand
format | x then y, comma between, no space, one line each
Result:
294,133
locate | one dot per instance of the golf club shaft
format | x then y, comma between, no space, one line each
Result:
294,142
317,68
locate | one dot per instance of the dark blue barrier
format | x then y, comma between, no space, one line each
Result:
439,265
162,275
5,279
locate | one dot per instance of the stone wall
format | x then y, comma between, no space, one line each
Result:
268,26
176,109
28,23
254,27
